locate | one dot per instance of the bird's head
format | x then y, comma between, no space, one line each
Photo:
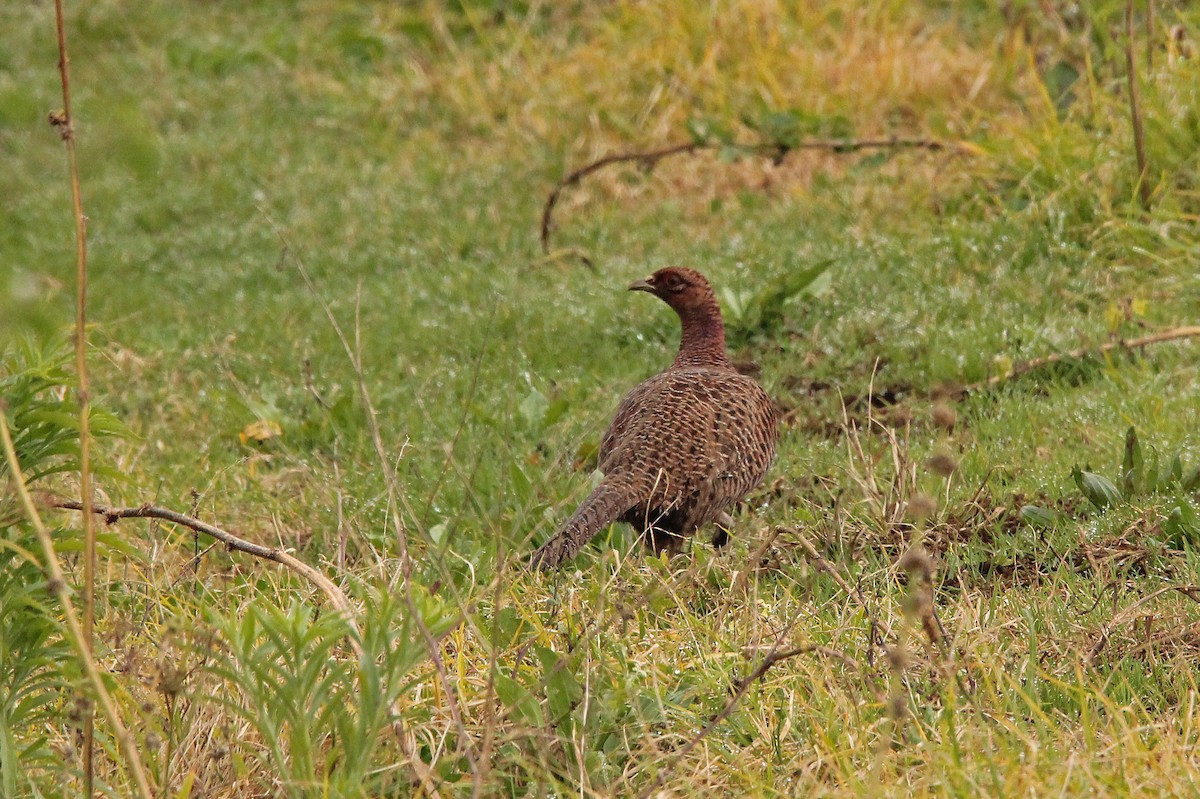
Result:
702,333
685,290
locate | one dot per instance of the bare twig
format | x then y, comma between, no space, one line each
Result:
233,542
776,152
65,123
1135,111
58,587
336,597
1189,331
648,160
743,686
1192,592
825,565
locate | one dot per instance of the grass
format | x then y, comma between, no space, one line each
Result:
402,156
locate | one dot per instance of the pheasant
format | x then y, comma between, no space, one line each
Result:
685,444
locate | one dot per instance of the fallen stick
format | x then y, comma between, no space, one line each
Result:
776,152
1023,367
336,596
233,542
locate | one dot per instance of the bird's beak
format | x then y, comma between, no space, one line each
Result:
641,285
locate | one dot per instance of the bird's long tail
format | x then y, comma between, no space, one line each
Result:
605,504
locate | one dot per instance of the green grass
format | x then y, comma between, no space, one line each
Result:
402,156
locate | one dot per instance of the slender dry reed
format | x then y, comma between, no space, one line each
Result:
65,123
1135,111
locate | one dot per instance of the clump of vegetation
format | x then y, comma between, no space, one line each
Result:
39,675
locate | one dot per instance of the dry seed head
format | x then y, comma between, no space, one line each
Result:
921,506
897,658
944,415
943,463
916,562
172,678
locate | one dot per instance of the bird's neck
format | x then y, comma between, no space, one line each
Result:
702,338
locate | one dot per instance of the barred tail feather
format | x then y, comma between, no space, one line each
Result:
604,505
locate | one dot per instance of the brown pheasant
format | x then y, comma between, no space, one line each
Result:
684,445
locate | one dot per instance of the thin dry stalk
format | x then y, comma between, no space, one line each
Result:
825,565
1135,111
888,503
897,704
58,587
65,123
395,500
1149,36
354,354
489,724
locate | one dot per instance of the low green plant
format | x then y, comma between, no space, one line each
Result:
757,314
37,667
1142,475
318,691
1145,474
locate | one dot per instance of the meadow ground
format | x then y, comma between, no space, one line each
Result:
938,591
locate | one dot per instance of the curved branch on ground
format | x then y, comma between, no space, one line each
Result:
335,594
777,152
1024,367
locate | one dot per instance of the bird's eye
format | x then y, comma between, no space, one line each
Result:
675,283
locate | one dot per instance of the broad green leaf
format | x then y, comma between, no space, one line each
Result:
1040,517
521,485
1182,524
518,698
1191,480
1176,473
1099,490
563,691
533,409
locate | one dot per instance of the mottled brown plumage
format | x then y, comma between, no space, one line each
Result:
684,445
